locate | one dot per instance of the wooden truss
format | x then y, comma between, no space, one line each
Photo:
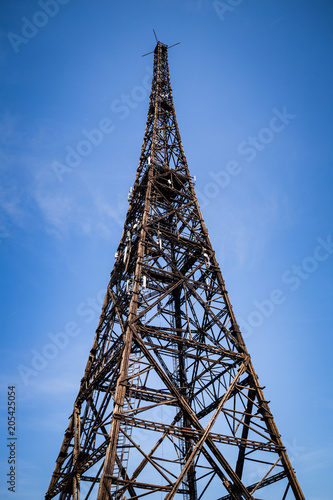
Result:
170,404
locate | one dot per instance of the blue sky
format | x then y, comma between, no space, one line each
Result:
252,88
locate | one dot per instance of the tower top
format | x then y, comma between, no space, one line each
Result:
160,44
162,147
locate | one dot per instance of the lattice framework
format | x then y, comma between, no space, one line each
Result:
170,403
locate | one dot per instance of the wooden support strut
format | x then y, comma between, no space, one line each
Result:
204,437
185,407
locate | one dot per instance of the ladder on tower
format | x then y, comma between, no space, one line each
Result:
123,444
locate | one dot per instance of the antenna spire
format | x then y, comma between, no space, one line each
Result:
157,41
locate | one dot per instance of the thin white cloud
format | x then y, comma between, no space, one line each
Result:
107,211
249,231
11,212
314,461
66,214
56,209
54,385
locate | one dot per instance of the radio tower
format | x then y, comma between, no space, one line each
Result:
170,405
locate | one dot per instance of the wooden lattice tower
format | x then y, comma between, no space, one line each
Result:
170,404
